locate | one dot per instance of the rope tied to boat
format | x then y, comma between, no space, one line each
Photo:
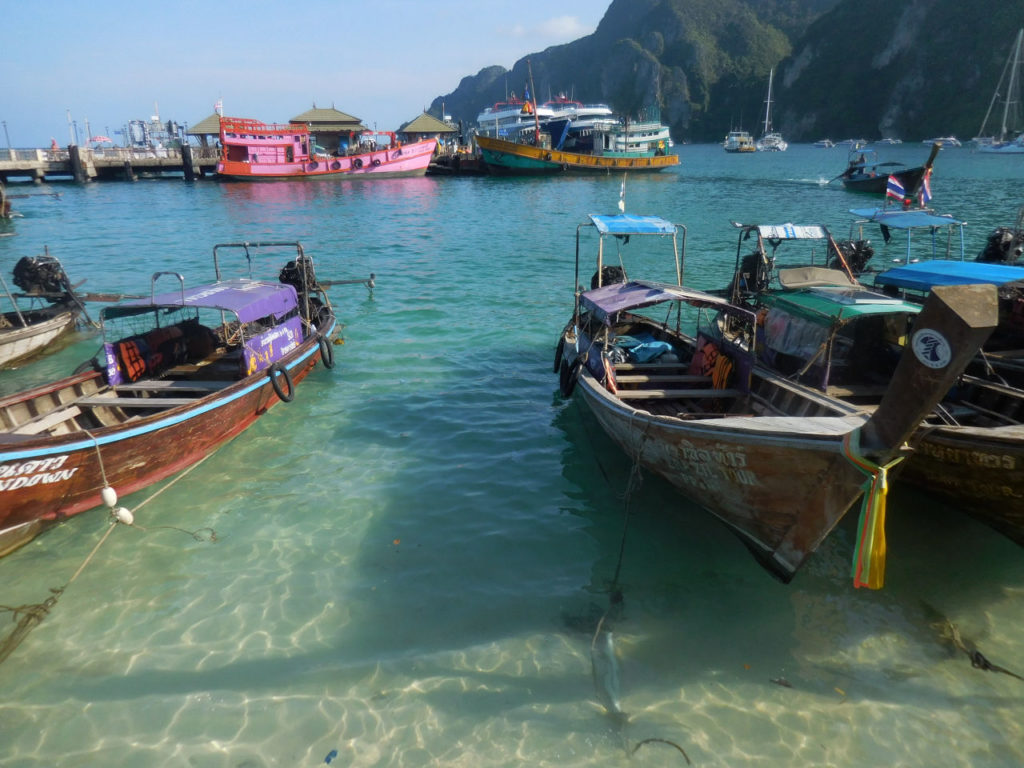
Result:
868,569
32,614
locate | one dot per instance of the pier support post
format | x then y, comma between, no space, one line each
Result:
77,170
186,162
129,174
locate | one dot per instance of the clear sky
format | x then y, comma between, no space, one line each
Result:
383,61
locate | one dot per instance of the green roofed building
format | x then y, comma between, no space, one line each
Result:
429,127
331,127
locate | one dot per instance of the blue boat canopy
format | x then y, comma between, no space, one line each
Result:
900,219
248,299
923,275
629,224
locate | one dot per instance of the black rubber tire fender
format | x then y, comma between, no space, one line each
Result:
277,372
326,352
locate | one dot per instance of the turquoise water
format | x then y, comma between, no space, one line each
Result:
412,557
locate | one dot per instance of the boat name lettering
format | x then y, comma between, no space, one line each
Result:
969,458
29,467
722,458
27,481
708,468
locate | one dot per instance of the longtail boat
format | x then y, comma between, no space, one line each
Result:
179,374
972,453
778,462
47,310
864,173
251,150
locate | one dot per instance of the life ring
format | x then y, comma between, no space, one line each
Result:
567,375
376,162
335,165
313,166
357,163
275,382
326,352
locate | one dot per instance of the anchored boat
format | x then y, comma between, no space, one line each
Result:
179,374
777,461
252,150
47,310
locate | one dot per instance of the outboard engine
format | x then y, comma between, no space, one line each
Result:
1004,246
41,275
857,254
609,276
300,275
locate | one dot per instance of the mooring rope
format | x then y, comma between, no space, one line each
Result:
33,614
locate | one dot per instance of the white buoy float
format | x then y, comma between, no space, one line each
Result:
123,515
109,496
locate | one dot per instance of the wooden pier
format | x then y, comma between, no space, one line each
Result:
83,164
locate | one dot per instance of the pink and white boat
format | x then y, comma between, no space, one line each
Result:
254,150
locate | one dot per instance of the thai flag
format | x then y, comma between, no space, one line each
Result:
926,188
893,188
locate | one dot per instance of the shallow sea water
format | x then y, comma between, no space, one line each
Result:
412,557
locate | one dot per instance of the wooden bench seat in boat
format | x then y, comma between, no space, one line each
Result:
650,366
645,378
857,390
679,394
134,402
48,420
163,385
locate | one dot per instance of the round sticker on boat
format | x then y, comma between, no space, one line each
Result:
931,348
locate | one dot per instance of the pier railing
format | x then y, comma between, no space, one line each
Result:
106,162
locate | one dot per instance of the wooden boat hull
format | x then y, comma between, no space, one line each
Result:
45,479
509,158
741,470
909,178
18,343
979,470
407,160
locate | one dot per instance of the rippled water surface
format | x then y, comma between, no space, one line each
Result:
411,559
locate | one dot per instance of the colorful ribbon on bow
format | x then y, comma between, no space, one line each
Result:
868,568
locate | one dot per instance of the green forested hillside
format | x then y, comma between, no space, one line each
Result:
843,67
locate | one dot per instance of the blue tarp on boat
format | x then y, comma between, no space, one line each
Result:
923,275
628,224
900,219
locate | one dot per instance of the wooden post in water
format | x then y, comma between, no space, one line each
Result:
77,171
186,162
129,174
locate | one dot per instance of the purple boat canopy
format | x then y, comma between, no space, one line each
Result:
610,299
248,299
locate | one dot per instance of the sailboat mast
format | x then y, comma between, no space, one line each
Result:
768,103
1011,90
